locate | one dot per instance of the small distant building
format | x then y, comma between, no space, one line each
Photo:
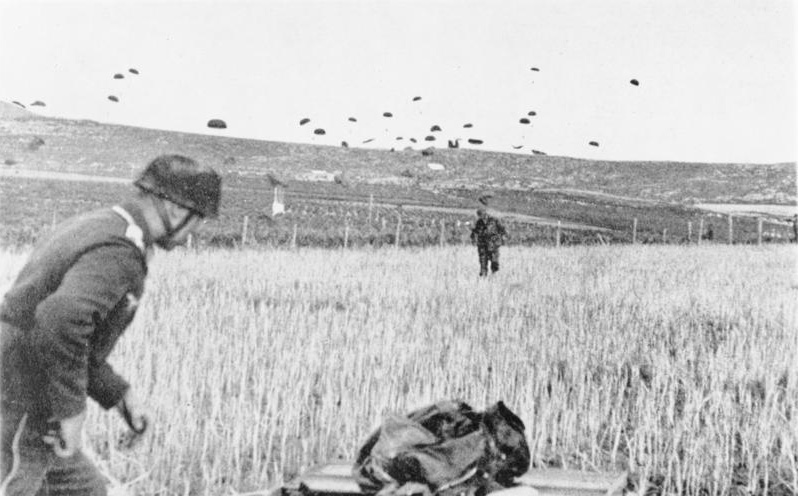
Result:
278,203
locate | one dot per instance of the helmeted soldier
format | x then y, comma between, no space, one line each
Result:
60,320
488,235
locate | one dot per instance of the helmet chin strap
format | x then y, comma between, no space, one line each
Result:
165,240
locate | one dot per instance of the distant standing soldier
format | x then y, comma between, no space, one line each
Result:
60,320
488,234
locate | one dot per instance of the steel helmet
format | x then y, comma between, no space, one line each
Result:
183,181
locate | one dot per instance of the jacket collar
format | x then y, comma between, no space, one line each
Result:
134,212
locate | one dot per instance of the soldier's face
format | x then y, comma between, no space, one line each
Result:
181,237
178,216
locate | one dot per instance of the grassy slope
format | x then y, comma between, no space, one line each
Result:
90,147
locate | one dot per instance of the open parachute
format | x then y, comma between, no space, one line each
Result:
217,124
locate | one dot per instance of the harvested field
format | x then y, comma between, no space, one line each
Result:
676,362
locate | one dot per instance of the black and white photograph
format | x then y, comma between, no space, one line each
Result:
398,248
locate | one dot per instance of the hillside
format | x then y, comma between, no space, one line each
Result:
602,194
91,147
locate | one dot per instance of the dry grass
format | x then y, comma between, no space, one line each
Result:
670,361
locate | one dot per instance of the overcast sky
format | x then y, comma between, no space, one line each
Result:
717,78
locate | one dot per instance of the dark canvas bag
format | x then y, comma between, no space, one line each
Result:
446,449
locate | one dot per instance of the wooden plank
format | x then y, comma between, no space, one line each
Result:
334,469
337,479
561,478
328,484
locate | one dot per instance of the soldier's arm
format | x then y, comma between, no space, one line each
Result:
475,230
501,228
105,386
65,321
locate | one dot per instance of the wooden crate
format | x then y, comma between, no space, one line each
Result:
336,479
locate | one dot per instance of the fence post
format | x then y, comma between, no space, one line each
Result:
700,229
665,235
293,238
443,232
371,206
244,230
689,232
398,231
346,234
634,231
559,234
759,230
731,229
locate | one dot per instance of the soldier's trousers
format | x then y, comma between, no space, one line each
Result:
29,467
488,256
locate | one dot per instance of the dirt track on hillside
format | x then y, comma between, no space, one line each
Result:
511,216
60,176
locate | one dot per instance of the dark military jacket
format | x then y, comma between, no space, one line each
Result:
488,233
68,306
446,449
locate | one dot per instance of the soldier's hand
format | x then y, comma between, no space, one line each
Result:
133,413
66,436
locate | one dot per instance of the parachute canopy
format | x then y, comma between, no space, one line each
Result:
217,124
524,120
38,103
119,76
538,152
387,114
516,147
319,131
474,141
413,140
369,140
634,82
17,103
416,98
468,125
534,69
344,144
352,119
303,121
133,71
435,128
594,143
113,98
532,112
429,138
